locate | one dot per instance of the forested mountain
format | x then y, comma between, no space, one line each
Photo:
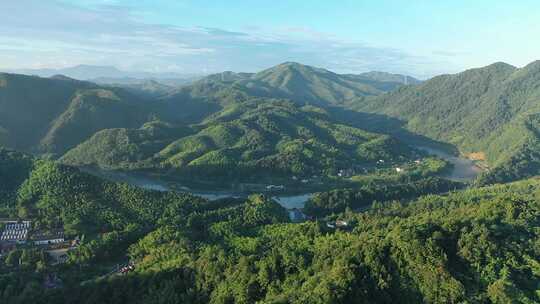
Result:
144,88
475,246
216,127
305,84
53,115
260,136
300,83
490,113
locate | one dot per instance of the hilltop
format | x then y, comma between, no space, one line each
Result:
491,111
260,137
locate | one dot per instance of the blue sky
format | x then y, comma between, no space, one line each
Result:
417,37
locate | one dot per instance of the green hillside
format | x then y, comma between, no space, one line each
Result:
52,115
71,111
489,111
91,111
474,246
126,148
28,105
259,137
15,168
305,84
300,83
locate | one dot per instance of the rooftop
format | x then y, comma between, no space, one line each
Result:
47,235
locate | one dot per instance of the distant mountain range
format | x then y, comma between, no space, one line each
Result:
104,74
491,114
251,120
264,83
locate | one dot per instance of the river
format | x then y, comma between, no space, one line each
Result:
463,170
287,201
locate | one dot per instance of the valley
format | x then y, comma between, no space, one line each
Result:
293,184
462,170
269,152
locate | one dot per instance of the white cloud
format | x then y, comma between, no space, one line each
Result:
55,34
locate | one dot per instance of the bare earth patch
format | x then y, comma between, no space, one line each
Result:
480,156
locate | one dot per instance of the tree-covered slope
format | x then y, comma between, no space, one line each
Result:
257,137
475,246
71,111
123,148
300,83
278,137
488,111
310,85
15,168
91,111
52,115
29,104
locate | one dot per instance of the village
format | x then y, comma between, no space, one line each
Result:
20,234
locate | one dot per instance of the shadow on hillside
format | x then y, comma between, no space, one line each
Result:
384,124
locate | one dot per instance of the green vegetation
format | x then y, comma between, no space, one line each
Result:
475,246
244,141
404,235
69,112
125,148
490,111
90,111
14,170
214,129
339,200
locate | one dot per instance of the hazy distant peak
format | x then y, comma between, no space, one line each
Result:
390,77
62,77
98,72
227,76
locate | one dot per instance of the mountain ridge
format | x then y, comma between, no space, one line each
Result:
487,110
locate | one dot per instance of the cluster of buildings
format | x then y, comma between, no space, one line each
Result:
20,232
17,233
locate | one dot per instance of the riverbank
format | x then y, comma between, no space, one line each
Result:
463,170
289,200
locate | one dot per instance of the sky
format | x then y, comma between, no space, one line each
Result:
421,38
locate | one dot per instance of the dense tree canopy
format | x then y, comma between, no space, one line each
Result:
478,246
